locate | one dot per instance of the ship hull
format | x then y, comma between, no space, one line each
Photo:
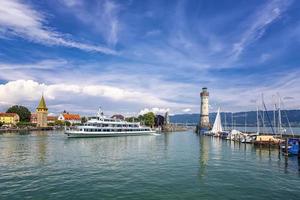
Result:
77,134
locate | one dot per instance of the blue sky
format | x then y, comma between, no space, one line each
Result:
134,56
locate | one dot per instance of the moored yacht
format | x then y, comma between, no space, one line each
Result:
101,126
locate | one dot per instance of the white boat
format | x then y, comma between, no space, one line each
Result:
234,135
101,126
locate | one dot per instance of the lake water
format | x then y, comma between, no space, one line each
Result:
182,165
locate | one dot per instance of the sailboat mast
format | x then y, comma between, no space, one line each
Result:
269,120
231,120
263,113
257,120
245,121
225,122
279,119
274,116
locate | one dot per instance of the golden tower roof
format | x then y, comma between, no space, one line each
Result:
42,104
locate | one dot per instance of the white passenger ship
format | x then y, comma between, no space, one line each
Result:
101,126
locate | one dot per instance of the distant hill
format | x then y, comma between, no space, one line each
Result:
239,118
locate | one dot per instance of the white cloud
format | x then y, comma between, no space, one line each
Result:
186,110
259,22
154,110
20,91
23,21
110,16
103,17
44,64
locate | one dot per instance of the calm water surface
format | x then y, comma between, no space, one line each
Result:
47,165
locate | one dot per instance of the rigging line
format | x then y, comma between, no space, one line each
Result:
268,117
286,115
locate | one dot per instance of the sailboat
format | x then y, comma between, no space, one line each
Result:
217,127
265,138
250,137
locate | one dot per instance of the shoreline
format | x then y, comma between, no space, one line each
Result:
29,129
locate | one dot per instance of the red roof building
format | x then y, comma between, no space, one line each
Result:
72,118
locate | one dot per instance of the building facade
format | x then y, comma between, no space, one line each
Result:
50,119
9,118
72,118
41,114
33,118
204,109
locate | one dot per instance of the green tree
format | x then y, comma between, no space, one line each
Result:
22,111
1,124
67,123
132,119
51,124
149,118
59,123
141,118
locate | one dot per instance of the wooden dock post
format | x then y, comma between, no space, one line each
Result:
286,147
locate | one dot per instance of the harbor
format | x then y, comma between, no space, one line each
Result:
276,137
149,100
177,165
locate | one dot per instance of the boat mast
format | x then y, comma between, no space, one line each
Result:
225,122
257,120
274,114
263,113
245,121
279,119
288,121
265,107
231,120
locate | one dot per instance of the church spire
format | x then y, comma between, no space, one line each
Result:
42,104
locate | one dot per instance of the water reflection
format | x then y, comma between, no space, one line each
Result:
217,152
41,144
203,155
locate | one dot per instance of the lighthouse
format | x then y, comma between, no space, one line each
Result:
204,110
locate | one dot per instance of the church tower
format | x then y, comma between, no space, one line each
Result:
42,113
